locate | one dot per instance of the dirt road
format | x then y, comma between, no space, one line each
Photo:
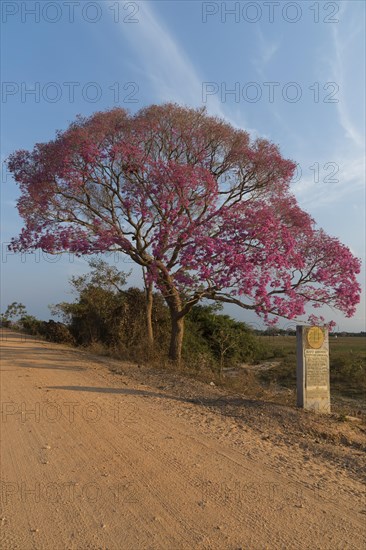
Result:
91,460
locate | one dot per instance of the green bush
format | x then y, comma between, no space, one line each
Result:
56,332
51,330
348,374
31,325
117,320
218,341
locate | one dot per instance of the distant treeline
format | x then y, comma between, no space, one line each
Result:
284,332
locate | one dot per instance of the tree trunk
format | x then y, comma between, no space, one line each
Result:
174,303
176,338
149,308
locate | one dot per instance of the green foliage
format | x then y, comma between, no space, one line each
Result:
103,276
13,312
348,373
31,325
94,316
105,313
219,341
56,332
50,330
347,357
4,322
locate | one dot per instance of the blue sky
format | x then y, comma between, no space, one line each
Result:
292,72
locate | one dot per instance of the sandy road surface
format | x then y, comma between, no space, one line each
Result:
90,460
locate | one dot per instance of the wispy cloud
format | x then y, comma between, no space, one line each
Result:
334,181
173,77
266,51
338,73
170,72
349,142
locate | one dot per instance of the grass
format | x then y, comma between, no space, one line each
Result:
347,357
347,371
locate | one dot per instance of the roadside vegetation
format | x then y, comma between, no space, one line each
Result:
108,319
347,355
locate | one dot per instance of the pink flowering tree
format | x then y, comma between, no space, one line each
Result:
204,210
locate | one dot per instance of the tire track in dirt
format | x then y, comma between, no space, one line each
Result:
120,465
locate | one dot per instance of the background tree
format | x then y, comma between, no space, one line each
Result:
106,313
13,312
203,209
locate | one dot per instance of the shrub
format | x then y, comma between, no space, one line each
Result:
31,325
218,340
56,332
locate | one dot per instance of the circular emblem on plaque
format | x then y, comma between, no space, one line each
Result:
315,337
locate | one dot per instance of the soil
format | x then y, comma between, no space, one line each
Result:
99,454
